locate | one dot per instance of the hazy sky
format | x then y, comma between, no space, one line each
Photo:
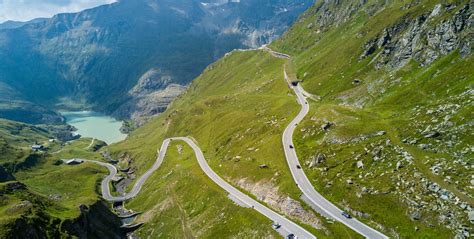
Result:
23,10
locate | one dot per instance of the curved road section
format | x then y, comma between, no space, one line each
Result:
287,225
319,202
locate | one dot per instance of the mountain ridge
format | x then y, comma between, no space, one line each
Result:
95,57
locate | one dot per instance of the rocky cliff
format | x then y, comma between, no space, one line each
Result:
423,39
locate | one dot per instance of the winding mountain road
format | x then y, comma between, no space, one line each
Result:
316,199
287,226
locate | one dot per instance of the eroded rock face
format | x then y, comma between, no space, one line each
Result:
268,193
336,12
96,221
150,96
424,39
5,175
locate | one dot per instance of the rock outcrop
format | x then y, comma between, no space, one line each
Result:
5,175
424,39
150,96
96,221
268,193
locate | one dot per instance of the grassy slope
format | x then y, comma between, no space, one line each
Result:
236,110
185,203
395,102
74,185
226,114
17,138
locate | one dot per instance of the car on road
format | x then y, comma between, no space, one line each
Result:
276,225
291,146
298,166
291,236
346,215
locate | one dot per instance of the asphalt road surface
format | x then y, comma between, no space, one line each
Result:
297,172
286,225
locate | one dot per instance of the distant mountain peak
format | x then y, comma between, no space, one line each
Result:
99,54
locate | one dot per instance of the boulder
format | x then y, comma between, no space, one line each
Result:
459,236
413,142
434,187
377,152
436,10
416,215
326,125
432,134
423,146
360,164
317,159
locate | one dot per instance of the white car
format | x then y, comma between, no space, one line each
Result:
276,225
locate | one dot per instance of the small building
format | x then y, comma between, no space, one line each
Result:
74,161
37,147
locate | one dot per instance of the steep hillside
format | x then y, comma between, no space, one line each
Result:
392,83
180,201
43,198
395,82
131,58
236,111
40,197
388,137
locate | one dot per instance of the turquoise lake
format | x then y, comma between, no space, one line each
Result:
95,125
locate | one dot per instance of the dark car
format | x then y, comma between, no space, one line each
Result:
290,236
298,167
346,215
291,146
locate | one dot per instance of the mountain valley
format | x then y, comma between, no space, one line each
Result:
387,136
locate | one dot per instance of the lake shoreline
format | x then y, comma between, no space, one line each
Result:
91,124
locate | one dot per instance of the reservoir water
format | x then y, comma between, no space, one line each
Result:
95,125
